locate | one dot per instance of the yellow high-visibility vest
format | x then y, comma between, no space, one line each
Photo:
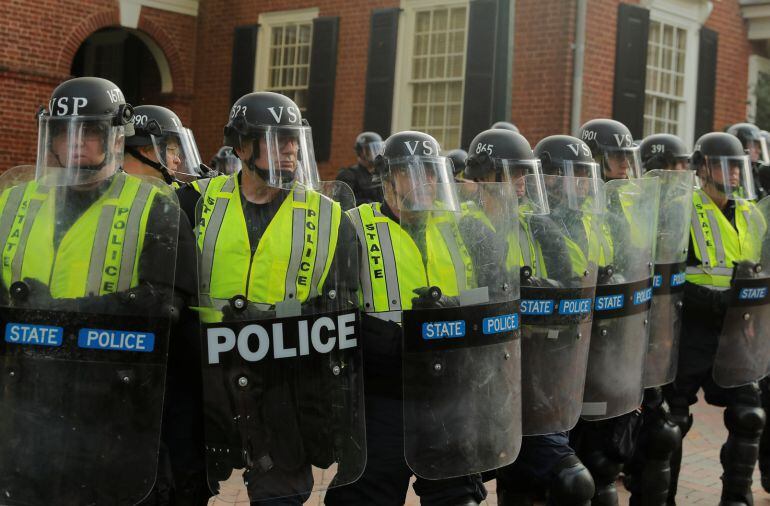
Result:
717,244
98,255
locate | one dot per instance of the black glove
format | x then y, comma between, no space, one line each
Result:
31,293
432,298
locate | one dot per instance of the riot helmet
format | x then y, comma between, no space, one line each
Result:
506,156
225,161
368,145
752,140
505,125
663,152
415,177
175,152
613,148
722,166
82,132
458,157
267,132
563,155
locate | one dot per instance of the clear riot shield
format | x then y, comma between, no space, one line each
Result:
461,342
665,321
86,305
282,364
557,292
743,352
623,296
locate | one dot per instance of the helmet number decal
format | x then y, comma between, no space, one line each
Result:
238,110
484,148
140,120
658,148
116,96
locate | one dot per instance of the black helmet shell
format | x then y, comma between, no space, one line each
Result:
410,143
458,157
91,96
152,120
505,125
255,112
602,134
556,149
659,151
717,144
495,143
365,138
745,132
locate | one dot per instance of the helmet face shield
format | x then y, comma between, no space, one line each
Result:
572,168
420,183
177,151
526,176
371,150
288,151
756,148
728,176
621,163
74,150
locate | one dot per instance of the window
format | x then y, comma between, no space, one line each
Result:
283,53
432,49
664,106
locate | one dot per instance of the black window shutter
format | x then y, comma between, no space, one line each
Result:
479,70
244,59
631,67
380,71
707,76
323,71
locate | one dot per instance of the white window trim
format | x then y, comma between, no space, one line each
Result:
402,105
757,65
689,15
266,21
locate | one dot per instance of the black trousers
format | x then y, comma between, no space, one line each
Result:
386,478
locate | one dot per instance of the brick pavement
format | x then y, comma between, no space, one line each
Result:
699,482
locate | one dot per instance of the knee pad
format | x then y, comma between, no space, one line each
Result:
664,437
682,418
572,485
745,421
604,469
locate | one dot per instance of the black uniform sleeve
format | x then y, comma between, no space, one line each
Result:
348,176
552,241
188,200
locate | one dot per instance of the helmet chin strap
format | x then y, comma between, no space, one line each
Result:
151,163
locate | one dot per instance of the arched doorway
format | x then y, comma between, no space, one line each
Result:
130,59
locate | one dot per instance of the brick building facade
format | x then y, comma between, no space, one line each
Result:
448,66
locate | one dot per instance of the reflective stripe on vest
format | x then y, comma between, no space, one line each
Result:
98,254
714,235
395,266
279,269
531,253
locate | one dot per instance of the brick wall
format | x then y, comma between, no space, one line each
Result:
38,42
733,52
542,67
218,19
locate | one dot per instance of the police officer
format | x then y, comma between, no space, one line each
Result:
162,147
225,161
80,206
362,177
721,208
409,161
755,145
269,247
605,445
545,462
647,474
